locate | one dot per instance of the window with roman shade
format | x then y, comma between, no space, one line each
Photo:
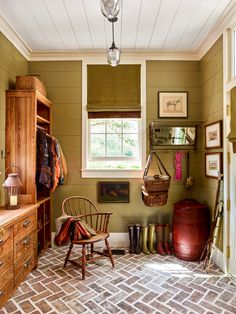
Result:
113,92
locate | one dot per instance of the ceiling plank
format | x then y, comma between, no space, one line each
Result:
164,21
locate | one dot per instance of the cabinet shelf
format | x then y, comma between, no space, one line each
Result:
42,120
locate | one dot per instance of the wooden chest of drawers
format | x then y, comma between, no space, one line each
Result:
18,247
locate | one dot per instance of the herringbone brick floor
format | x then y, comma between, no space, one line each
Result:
137,284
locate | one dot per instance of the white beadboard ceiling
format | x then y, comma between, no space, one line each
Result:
143,25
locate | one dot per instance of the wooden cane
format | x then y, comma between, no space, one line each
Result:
207,250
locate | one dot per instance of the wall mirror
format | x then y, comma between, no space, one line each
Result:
172,135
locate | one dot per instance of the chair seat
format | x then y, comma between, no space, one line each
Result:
98,237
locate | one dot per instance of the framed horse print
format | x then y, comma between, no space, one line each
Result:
172,104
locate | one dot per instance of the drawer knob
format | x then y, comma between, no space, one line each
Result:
2,231
26,241
26,264
1,293
1,263
1,240
26,223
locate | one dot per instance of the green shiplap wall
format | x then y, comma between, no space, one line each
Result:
211,66
64,88
12,63
63,80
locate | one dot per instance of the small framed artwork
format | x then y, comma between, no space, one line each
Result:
172,104
113,192
213,164
213,135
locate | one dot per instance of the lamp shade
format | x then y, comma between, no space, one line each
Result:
113,55
110,8
12,186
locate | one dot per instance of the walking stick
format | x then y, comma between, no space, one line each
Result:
210,244
216,231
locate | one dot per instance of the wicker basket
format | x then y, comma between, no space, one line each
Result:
30,82
152,199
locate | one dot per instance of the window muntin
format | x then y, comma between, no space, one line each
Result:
114,144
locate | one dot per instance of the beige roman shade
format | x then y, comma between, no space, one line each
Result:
113,92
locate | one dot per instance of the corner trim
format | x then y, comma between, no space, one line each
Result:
14,38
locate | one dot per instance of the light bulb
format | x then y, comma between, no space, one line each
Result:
113,55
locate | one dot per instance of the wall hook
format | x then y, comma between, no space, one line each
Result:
3,154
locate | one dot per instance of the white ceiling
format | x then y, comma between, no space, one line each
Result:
143,25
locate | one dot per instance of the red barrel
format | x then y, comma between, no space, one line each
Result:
191,228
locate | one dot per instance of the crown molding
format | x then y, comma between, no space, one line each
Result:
14,38
127,55
227,20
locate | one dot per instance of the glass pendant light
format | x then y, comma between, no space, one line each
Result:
110,9
113,53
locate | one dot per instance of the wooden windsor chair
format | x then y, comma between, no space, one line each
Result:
83,208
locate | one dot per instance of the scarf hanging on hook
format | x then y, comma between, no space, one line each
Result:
178,165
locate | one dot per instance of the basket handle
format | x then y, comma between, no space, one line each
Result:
148,163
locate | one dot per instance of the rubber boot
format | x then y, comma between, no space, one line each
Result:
151,233
160,244
167,239
145,249
131,239
137,249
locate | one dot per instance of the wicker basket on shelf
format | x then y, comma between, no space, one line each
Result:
30,82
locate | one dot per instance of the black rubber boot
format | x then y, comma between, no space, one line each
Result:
131,239
137,249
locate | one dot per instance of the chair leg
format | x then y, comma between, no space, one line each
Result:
68,255
83,261
110,254
92,249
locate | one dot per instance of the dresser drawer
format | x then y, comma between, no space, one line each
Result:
6,240
6,287
6,262
22,269
24,244
26,224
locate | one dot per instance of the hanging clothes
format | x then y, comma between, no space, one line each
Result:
44,171
51,164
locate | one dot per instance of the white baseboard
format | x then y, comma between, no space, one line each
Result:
218,259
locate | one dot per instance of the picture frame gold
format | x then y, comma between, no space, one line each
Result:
213,135
113,192
213,164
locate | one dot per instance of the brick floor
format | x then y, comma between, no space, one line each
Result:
138,284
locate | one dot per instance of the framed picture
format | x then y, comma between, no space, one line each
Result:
213,164
172,104
213,135
113,192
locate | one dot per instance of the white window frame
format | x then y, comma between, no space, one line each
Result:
112,173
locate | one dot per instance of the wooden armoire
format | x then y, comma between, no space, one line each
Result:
26,111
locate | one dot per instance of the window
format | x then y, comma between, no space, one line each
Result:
114,144
113,120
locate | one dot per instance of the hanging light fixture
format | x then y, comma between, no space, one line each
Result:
113,53
110,8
